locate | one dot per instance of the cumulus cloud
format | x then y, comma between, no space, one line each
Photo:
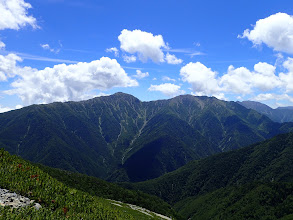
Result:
243,81
8,66
14,15
276,31
113,50
287,78
129,59
168,89
272,96
69,82
144,44
201,78
172,59
166,78
141,75
237,81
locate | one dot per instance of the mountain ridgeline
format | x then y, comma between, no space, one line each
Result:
120,138
280,114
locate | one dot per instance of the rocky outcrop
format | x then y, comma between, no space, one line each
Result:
15,200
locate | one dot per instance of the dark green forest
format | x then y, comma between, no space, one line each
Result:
254,182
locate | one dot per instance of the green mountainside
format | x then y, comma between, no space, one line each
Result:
254,182
280,114
120,138
74,197
251,201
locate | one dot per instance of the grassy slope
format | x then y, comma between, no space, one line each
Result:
58,200
101,188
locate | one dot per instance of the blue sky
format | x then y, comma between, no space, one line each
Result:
60,50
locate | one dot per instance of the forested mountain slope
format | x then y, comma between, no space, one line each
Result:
254,182
120,138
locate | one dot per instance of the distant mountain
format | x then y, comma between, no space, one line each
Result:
280,114
286,107
120,138
254,182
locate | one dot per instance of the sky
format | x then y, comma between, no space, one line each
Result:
71,50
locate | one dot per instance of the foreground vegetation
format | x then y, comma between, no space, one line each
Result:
58,200
101,188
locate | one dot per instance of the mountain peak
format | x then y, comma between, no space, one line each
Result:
124,96
255,105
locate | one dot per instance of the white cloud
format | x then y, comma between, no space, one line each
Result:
276,31
4,109
166,78
196,54
26,56
69,82
201,78
218,95
8,67
243,81
287,78
14,15
187,51
272,96
172,59
141,75
47,47
7,109
167,89
264,77
2,45
129,59
144,44
113,50
238,81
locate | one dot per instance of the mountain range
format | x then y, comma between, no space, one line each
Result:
207,158
280,114
120,138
